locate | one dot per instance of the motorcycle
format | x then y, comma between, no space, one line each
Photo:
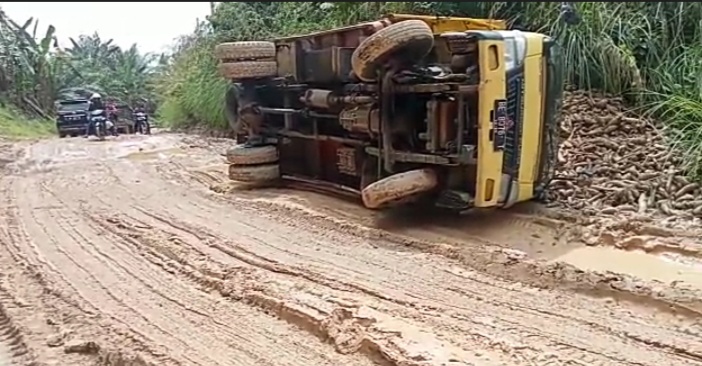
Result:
141,122
101,125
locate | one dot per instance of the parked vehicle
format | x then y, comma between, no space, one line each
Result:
455,111
71,117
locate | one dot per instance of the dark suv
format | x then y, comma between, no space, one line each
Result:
72,117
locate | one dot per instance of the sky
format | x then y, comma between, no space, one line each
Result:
152,25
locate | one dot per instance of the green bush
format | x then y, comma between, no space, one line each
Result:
14,124
192,91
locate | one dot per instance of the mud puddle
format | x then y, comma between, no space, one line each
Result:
159,154
668,268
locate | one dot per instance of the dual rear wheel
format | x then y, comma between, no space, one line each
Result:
256,165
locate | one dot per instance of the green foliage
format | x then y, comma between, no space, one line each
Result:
191,89
14,124
124,75
35,72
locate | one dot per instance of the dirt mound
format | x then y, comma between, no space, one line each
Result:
613,161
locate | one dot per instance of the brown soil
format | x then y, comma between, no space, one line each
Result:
136,251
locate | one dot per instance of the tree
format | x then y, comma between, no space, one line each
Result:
34,71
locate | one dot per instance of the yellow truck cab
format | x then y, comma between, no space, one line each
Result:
519,101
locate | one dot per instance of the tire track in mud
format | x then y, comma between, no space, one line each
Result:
488,254
347,326
128,268
56,317
13,350
314,272
327,324
244,207
314,323
60,303
323,325
175,223
499,261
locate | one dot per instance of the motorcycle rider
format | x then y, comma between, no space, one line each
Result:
95,104
111,110
141,108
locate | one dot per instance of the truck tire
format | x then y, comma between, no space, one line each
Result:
254,173
399,187
243,155
248,69
411,39
241,51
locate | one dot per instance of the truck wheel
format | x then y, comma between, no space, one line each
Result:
411,40
254,173
248,69
243,155
240,51
398,188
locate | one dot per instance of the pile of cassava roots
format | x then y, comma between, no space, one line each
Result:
613,161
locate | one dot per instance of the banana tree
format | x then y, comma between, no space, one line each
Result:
129,79
28,66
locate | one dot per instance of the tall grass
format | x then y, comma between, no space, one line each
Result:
647,52
16,125
192,91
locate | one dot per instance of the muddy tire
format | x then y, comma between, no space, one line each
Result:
398,188
242,155
411,39
240,51
248,69
254,173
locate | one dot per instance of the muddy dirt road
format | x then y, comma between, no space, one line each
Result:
119,253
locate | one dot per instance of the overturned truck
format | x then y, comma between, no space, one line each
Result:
458,112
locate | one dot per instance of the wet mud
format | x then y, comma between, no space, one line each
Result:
138,251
